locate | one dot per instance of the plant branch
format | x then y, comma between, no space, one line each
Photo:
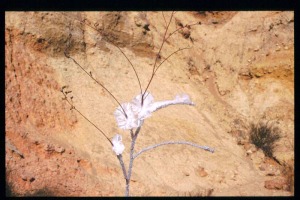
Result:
169,57
131,160
131,133
165,39
123,166
73,107
95,29
131,66
157,56
162,44
206,148
68,56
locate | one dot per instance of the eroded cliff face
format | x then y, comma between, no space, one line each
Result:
239,70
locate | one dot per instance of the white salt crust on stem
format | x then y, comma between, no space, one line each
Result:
206,148
136,112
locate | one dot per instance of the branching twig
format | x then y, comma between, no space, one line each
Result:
132,67
73,107
68,56
118,146
206,148
82,22
157,56
169,57
164,40
162,44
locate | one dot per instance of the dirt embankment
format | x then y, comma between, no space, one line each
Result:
239,70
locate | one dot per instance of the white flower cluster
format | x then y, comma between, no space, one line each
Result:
118,146
136,112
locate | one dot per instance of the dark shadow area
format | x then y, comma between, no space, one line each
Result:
43,192
8,190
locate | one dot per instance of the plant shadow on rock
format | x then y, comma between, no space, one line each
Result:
263,136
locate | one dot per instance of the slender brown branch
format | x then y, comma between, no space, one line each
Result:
162,44
169,57
165,39
68,56
132,68
157,56
144,97
73,107
95,29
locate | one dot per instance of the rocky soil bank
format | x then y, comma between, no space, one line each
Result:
238,70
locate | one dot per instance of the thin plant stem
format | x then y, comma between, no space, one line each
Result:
169,57
128,172
206,148
131,133
162,44
157,56
73,107
82,22
131,160
123,166
131,66
165,39
68,56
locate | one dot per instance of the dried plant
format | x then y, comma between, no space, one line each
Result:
131,115
263,136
